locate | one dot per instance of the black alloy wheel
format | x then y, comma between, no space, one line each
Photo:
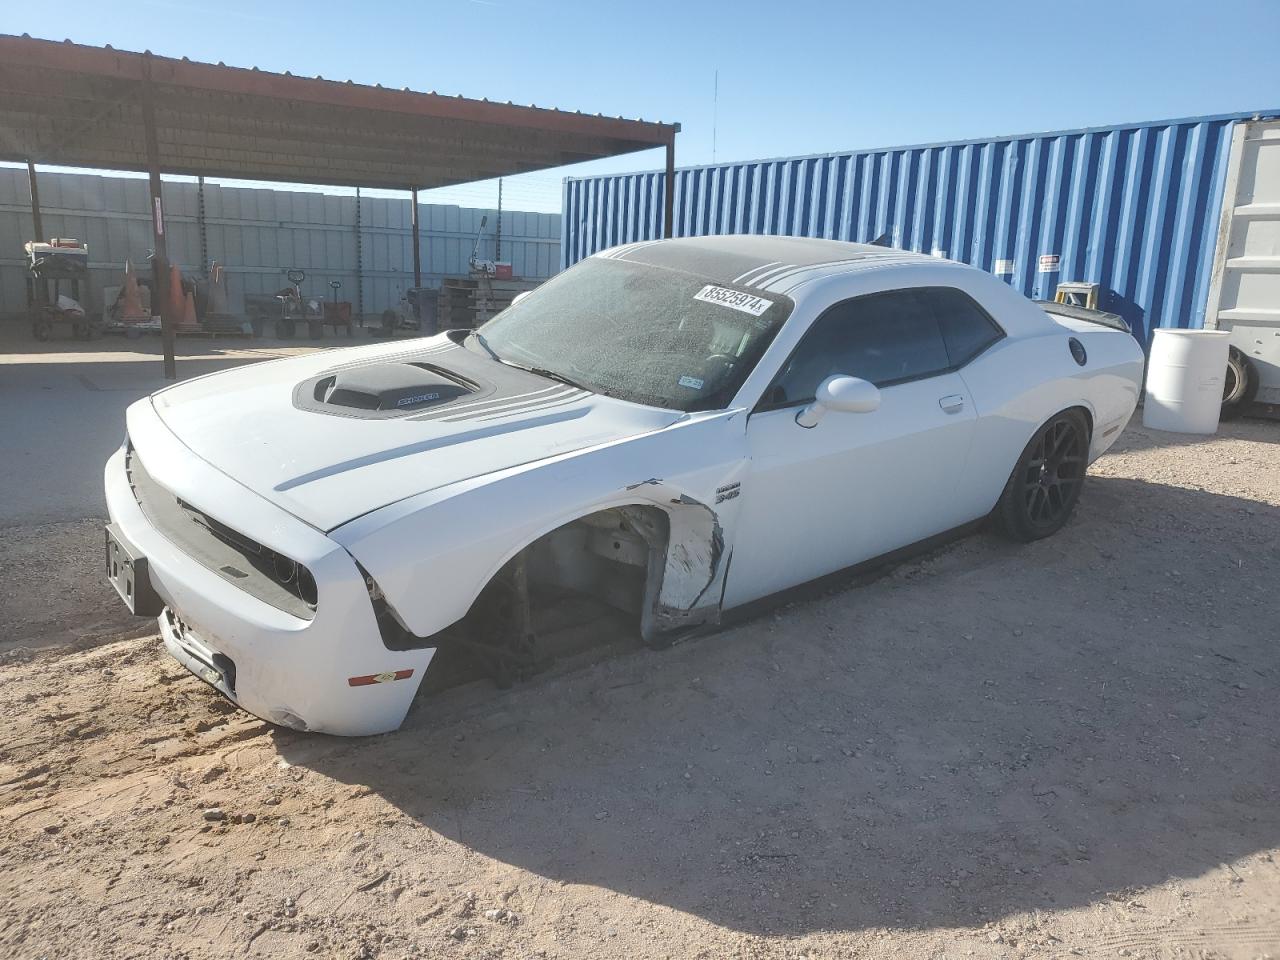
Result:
1045,485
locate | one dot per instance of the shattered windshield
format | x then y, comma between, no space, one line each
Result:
637,332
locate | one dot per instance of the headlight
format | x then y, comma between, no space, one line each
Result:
294,577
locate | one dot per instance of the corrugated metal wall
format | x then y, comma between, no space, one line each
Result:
1134,208
258,234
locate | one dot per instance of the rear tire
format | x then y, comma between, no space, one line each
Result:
1240,385
1045,484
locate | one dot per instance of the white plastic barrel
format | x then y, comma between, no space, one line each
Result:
1184,380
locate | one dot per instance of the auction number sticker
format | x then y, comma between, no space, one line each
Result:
733,299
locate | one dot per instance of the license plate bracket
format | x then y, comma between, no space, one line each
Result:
128,573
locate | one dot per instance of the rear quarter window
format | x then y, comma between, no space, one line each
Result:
967,329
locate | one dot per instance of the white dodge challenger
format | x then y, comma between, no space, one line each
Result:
664,432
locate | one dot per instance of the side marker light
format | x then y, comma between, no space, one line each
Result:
379,678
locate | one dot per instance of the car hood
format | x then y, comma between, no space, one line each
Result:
262,425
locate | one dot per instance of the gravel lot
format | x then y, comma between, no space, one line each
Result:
1062,749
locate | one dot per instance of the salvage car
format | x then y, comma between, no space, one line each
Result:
668,430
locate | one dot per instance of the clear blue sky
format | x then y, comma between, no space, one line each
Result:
802,76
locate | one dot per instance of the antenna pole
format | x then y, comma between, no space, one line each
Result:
715,113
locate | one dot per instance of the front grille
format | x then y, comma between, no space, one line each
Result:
234,557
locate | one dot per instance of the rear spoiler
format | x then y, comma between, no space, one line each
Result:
1100,317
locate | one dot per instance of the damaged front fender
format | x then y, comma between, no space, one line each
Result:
685,565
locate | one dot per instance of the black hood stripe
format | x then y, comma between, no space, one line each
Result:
488,384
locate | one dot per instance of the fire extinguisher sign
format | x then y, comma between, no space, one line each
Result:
159,219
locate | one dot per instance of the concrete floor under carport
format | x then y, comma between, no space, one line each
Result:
63,405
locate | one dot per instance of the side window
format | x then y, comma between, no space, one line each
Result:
884,338
966,328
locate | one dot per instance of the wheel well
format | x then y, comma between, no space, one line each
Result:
615,554
590,580
1085,412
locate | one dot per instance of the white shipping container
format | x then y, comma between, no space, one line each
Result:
1244,291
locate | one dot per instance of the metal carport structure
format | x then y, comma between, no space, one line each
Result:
81,106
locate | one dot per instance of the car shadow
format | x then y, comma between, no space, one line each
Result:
986,730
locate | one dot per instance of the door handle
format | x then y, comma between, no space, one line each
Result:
952,404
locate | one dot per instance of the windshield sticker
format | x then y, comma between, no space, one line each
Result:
693,383
734,300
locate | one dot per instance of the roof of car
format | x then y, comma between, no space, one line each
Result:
777,264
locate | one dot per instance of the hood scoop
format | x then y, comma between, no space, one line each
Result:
383,390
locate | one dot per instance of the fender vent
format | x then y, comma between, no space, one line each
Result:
391,388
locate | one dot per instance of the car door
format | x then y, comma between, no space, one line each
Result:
856,485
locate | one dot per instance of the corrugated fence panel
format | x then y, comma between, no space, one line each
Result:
258,234
1132,208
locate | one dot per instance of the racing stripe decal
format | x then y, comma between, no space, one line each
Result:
790,282
504,407
743,278
478,406
763,278
557,401
792,271
625,252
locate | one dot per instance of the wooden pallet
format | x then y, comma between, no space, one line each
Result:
467,302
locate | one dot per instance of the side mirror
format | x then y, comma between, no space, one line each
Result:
845,394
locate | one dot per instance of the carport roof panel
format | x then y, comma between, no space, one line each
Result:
81,106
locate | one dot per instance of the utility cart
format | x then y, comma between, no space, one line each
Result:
58,289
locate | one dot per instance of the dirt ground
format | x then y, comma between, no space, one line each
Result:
1062,749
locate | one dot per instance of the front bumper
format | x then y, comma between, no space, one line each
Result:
277,666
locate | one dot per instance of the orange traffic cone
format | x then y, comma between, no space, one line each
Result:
130,299
189,321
